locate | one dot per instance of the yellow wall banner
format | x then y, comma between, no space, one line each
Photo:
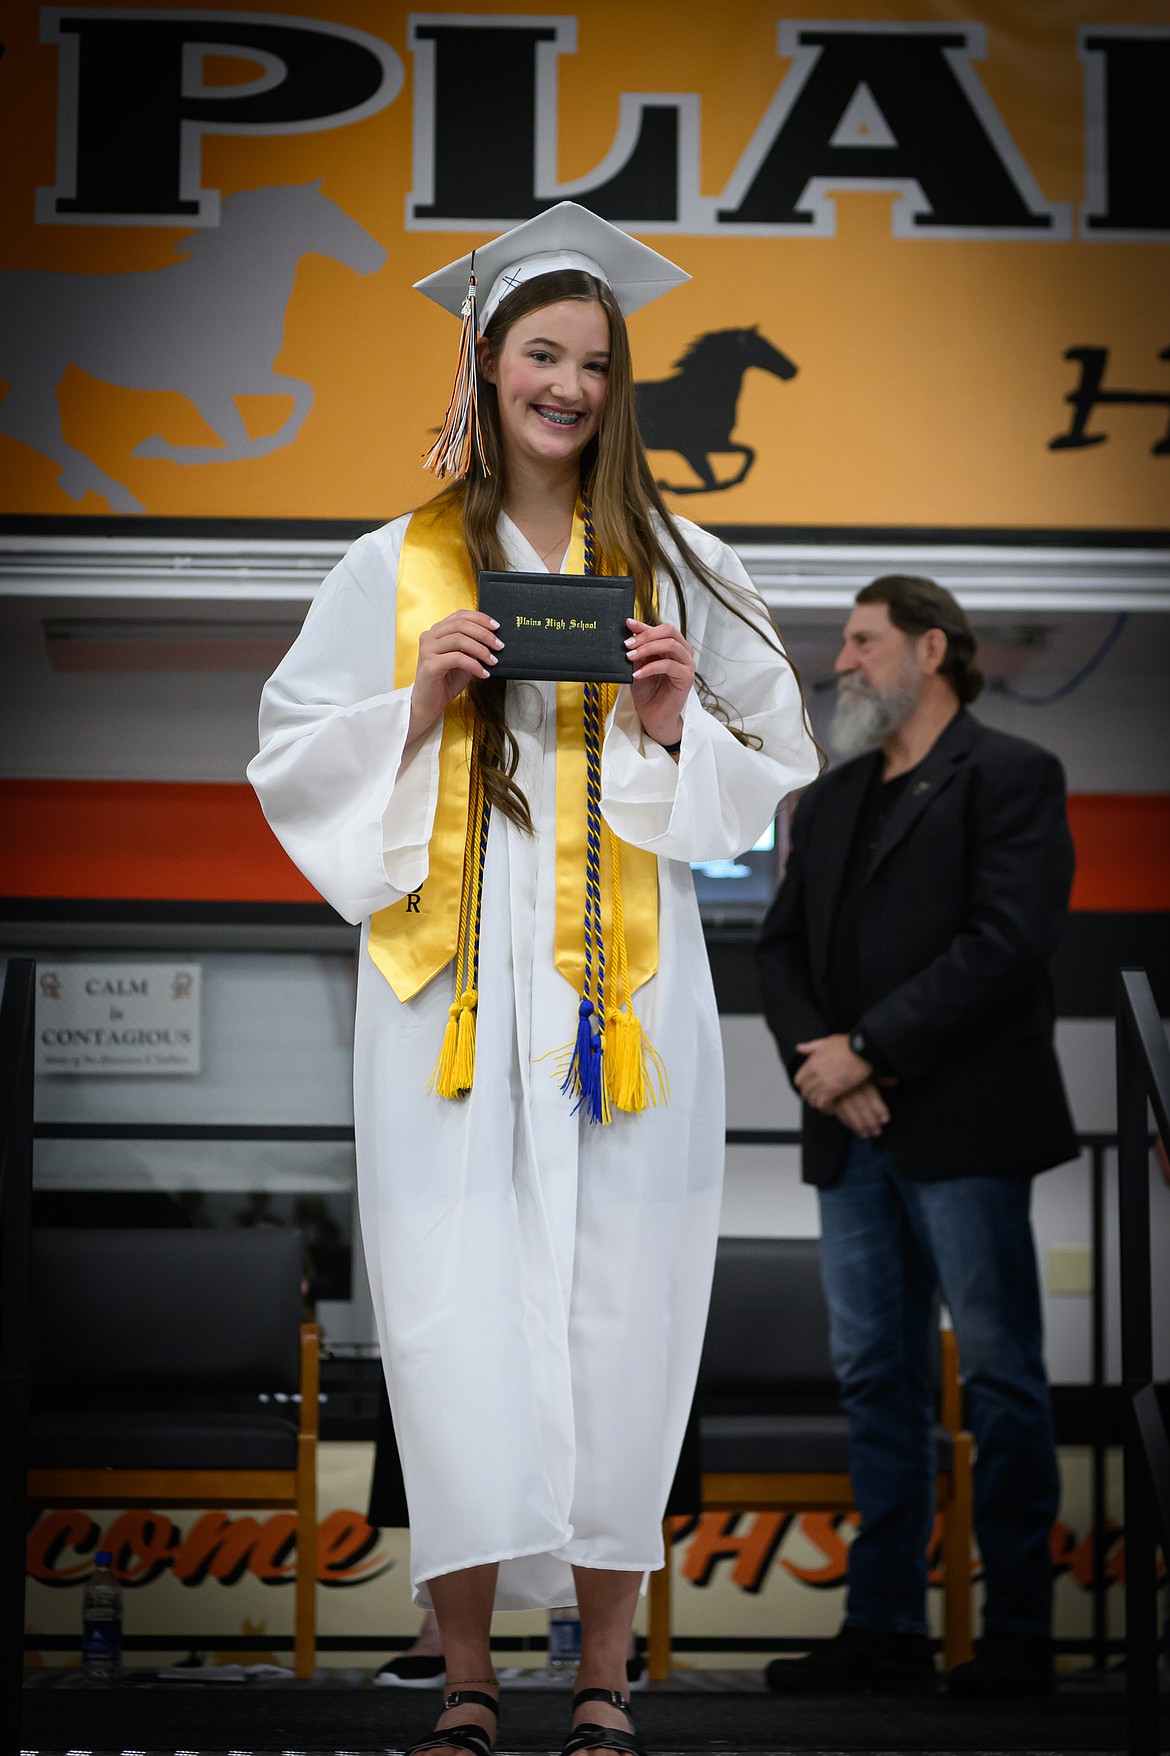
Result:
930,248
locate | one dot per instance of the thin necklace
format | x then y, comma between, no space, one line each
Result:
561,543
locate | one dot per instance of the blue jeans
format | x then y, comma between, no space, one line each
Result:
888,1243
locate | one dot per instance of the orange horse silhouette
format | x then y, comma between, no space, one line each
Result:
208,326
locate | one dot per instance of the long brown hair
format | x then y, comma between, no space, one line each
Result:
625,499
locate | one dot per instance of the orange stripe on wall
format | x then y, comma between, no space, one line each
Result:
1123,850
143,841
159,841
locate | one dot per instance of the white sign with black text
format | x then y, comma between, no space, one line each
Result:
118,1018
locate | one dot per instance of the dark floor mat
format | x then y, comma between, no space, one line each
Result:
1078,1718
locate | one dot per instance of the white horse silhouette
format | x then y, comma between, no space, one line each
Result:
208,325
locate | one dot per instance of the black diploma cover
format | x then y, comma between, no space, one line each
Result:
560,627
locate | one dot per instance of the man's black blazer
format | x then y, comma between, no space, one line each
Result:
964,902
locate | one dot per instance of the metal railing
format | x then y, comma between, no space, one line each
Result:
1143,1082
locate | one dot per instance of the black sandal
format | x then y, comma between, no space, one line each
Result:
590,1736
473,1738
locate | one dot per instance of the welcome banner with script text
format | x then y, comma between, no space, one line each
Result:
930,250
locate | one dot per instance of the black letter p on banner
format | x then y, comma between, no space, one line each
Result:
133,102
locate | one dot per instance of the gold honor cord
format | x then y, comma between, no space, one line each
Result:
609,1064
455,1069
635,1075
639,869
415,938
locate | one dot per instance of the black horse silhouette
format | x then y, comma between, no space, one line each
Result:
694,412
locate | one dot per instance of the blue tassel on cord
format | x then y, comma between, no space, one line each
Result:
593,1086
578,1069
584,1077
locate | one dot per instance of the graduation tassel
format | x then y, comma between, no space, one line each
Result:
455,1069
633,1066
464,1067
460,435
442,1080
584,1076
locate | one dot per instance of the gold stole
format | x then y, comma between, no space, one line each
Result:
415,938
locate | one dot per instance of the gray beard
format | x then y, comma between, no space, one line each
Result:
863,718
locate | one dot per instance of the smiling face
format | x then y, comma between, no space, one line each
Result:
551,376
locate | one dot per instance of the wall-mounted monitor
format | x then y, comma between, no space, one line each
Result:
736,892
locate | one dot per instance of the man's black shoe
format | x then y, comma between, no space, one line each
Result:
1005,1665
858,1661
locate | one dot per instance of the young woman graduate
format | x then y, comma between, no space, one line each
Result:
538,1081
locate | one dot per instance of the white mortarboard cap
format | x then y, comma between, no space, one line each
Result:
565,236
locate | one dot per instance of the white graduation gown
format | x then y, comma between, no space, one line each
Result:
540,1283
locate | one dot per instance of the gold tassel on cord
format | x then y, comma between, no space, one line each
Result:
450,455
635,1074
465,1040
442,1080
455,1069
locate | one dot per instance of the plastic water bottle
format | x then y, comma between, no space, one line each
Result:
564,1641
101,1622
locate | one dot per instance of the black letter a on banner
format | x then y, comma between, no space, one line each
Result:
942,145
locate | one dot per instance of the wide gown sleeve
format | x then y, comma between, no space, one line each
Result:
720,796
329,775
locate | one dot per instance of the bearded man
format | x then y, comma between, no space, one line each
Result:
904,971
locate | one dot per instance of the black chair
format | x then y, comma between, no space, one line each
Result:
136,1337
772,1435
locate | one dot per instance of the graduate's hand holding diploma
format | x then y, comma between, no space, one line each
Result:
460,647
664,675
